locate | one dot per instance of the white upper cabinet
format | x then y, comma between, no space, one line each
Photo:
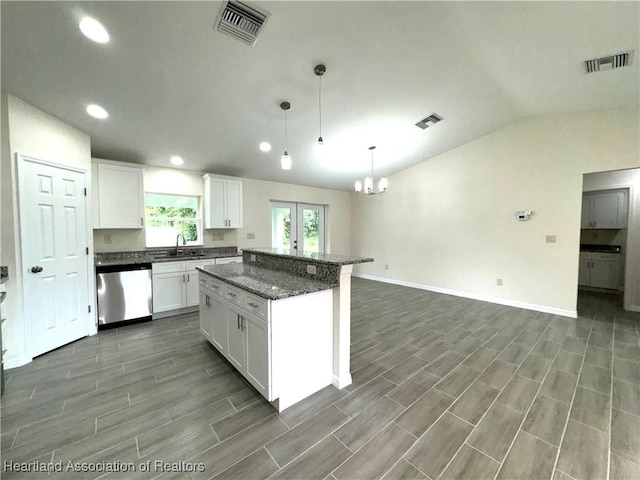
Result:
118,195
604,209
222,202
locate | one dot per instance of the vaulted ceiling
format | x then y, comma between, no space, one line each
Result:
174,85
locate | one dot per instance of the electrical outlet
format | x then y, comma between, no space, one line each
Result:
253,257
251,236
217,236
311,269
551,239
499,282
107,239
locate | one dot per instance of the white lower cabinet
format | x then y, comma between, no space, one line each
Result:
284,348
206,314
175,284
168,291
601,270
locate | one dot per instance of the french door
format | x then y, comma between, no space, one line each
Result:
298,227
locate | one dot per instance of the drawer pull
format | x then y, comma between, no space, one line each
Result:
254,305
215,286
231,294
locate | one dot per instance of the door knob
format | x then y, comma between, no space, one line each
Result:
36,269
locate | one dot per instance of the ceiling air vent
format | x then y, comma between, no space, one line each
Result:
241,20
429,121
609,62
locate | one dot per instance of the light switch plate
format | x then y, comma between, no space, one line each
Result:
253,257
311,269
551,239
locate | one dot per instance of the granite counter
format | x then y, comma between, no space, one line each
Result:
163,255
269,284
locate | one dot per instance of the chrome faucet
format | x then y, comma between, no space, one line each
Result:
184,242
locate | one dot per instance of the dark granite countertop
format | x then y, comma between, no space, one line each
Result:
585,247
159,256
329,258
269,284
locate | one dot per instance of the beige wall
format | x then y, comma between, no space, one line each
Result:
257,195
33,133
448,223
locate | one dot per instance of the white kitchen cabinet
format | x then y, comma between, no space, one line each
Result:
223,202
175,284
169,292
226,260
266,342
604,209
258,357
206,314
118,194
237,344
601,270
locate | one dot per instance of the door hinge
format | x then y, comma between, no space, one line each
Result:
87,250
89,308
85,192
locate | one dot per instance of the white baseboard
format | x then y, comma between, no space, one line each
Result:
474,296
16,362
633,308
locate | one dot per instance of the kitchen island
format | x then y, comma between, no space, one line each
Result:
282,320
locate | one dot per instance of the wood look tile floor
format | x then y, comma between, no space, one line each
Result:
443,388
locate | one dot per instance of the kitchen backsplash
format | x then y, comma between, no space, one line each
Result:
604,237
134,240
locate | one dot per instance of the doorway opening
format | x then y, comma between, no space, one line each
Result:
298,227
609,235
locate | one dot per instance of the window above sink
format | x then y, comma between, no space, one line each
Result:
167,216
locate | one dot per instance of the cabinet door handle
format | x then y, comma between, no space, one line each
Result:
188,277
238,321
141,222
241,323
183,280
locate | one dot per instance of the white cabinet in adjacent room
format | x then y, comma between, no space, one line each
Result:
605,209
600,270
118,194
223,202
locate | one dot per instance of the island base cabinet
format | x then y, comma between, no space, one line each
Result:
206,314
301,346
287,355
236,345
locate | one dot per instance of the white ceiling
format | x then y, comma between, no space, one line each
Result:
174,86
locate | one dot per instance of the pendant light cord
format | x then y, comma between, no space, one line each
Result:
285,130
320,101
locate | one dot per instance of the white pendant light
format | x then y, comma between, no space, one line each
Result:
367,188
319,70
285,160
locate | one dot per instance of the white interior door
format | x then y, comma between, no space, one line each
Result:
54,254
298,227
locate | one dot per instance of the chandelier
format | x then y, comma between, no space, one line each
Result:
367,187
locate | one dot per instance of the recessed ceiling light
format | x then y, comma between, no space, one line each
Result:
94,30
97,111
265,147
175,160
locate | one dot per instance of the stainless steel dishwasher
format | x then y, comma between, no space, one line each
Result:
124,293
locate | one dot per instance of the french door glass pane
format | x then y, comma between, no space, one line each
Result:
281,228
310,226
